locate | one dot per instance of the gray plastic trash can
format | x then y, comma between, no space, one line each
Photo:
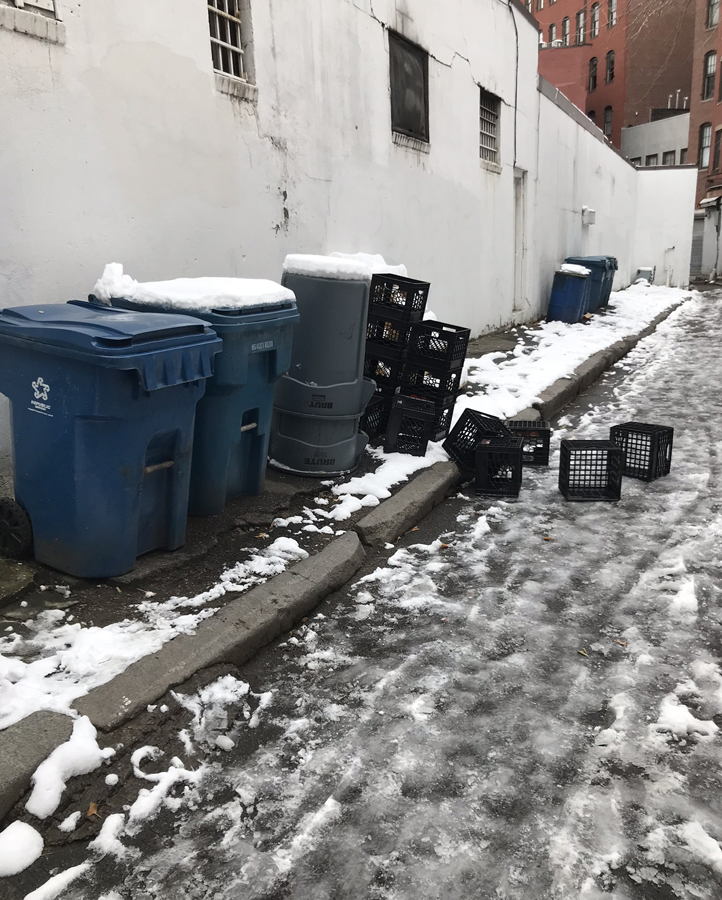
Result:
319,402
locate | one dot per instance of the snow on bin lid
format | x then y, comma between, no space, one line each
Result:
375,262
571,269
337,267
189,294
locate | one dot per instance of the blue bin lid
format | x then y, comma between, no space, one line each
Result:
589,261
164,349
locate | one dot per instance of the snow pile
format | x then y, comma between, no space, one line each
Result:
675,718
55,886
187,294
77,756
556,349
72,659
572,269
108,839
376,263
339,268
20,846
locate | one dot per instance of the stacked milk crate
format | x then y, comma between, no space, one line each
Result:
416,365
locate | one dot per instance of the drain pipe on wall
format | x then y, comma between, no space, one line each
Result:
516,77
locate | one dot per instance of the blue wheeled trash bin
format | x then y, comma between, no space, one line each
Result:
233,420
103,405
569,298
599,267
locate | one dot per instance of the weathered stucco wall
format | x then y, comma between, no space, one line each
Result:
118,146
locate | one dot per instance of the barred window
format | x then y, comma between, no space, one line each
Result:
224,19
48,6
669,157
489,110
651,160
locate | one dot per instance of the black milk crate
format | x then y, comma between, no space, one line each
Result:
591,470
385,371
536,440
647,449
411,423
400,298
386,337
427,381
442,422
438,344
499,466
376,416
444,412
472,428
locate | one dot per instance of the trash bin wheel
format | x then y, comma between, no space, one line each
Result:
16,533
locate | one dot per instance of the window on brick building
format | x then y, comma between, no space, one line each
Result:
581,26
669,158
540,4
409,88
712,13
552,33
710,73
705,142
594,23
565,32
607,121
528,6
683,156
592,116
651,160
611,13
610,67
592,74
717,148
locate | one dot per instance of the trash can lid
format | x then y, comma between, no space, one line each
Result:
116,338
593,261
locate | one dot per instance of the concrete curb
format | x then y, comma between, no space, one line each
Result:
562,392
233,635
23,747
415,500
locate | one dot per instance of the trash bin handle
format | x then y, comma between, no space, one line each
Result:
168,464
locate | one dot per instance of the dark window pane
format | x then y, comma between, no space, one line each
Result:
409,88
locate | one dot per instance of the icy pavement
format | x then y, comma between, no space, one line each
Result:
526,707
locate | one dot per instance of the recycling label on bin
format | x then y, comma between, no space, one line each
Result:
39,404
261,345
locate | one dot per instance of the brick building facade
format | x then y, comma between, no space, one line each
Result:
638,55
705,126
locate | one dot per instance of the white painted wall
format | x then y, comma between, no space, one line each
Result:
664,222
117,145
641,141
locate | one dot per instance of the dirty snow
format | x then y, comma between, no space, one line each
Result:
77,756
456,742
60,660
188,294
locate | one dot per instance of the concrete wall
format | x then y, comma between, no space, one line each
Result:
658,137
578,168
664,222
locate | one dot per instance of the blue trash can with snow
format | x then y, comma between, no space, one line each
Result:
599,271
103,409
255,319
570,294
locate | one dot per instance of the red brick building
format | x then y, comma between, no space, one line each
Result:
705,125
637,55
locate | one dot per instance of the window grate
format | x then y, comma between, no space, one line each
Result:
224,19
489,110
